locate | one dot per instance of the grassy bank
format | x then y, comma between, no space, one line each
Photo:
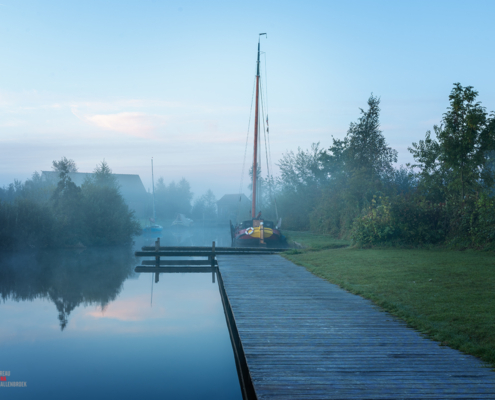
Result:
314,242
447,295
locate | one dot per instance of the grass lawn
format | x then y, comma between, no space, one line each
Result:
312,241
447,295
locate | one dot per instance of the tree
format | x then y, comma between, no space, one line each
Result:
107,219
66,165
303,169
103,175
363,152
356,168
205,207
459,159
465,140
172,199
67,201
299,186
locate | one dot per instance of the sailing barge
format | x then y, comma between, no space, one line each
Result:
257,231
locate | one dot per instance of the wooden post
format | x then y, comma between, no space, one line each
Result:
157,259
212,257
157,249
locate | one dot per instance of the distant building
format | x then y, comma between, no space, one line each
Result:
234,207
131,187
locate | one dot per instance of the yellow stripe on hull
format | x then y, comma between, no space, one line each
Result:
267,232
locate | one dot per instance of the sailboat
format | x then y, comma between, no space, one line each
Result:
256,232
153,227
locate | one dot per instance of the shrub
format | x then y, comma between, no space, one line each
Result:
376,225
404,220
473,223
418,221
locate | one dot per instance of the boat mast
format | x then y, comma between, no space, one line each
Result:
256,123
153,186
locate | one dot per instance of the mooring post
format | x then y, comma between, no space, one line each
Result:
212,257
157,249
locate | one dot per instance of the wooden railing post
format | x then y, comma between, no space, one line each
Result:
157,249
212,257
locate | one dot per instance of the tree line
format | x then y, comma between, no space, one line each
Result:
352,190
44,214
176,198
41,213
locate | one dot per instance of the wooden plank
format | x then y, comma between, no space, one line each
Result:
183,269
228,249
194,253
304,338
177,262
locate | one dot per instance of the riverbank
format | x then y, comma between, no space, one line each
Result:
445,294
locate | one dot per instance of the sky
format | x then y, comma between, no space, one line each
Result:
125,81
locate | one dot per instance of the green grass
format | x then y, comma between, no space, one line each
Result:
447,295
315,242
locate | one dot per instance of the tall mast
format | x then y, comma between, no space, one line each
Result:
153,186
256,123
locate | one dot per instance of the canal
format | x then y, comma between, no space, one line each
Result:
81,324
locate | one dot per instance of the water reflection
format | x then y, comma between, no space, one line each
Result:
108,341
67,278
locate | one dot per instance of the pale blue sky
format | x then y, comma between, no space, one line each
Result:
128,80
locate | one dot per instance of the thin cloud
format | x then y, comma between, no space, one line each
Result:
135,124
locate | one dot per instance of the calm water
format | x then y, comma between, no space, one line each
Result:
84,325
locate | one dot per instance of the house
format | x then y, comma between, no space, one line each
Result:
131,188
234,207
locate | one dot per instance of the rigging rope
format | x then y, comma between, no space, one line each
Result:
245,152
266,134
267,154
266,87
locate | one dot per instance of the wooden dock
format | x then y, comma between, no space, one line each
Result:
305,338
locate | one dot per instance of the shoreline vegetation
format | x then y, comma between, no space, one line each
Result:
445,294
53,212
351,190
44,214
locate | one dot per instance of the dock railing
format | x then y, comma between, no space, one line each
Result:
165,257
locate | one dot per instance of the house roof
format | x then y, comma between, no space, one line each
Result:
232,199
129,184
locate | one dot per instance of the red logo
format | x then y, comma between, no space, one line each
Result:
3,378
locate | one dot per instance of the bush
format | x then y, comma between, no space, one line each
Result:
483,223
418,221
376,226
404,220
473,223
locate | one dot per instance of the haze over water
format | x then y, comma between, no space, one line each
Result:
80,324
